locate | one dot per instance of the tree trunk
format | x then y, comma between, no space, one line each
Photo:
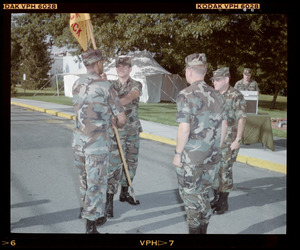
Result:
274,98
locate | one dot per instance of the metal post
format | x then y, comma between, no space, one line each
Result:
57,85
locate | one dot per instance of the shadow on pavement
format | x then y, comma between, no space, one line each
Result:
258,192
168,205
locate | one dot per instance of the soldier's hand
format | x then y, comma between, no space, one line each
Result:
103,76
235,145
177,161
114,121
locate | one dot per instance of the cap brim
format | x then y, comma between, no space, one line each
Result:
217,78
124,64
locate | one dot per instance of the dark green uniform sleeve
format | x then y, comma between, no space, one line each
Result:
114,101
240,107
183,110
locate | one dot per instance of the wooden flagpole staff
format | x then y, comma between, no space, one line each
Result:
115,129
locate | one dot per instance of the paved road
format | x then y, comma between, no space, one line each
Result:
45,199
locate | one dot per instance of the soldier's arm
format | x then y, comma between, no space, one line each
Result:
182,138
119,116
127,99
240,107
236,85
120,119
257,89
240,130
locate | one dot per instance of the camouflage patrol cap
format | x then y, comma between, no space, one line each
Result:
195,59
247,71
220,73
123,60
91,56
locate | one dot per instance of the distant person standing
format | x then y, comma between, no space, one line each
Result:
129,92
246,84
232,132
95,102
200,113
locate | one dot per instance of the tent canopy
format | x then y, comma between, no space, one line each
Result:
158,83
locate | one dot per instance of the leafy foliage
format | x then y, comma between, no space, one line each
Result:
234,40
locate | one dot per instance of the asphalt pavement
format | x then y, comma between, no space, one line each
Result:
45,192
254,154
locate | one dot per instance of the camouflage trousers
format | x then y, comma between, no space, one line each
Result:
92,170
194,183
116,173
223,181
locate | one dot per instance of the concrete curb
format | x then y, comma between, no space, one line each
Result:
48,111
256,162
158,138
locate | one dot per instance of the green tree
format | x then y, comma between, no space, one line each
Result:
15,62
30,51
258,41
272,54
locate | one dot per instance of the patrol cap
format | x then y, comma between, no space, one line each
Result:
247,71
195,59
123,60
220,73
91,56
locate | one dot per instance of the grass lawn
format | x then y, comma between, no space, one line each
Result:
45,95
280,110
162,112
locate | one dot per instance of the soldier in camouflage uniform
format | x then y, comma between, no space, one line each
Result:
95,102
246,84
200,114
129,92
232,132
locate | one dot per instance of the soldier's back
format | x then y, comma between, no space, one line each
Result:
90,104
202,106
201,99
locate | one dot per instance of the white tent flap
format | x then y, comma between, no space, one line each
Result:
158,83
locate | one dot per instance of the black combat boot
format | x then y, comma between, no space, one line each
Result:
203,228
124,196
194,230
214,202
222,205
91,227
109,207
100,221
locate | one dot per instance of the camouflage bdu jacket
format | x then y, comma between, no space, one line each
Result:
133,124
252,86
201,106
235,109
94,101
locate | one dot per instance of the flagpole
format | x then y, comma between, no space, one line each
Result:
91,33
115,129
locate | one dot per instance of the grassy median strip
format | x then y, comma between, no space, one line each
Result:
163,112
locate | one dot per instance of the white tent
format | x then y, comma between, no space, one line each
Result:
158,83
69,80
